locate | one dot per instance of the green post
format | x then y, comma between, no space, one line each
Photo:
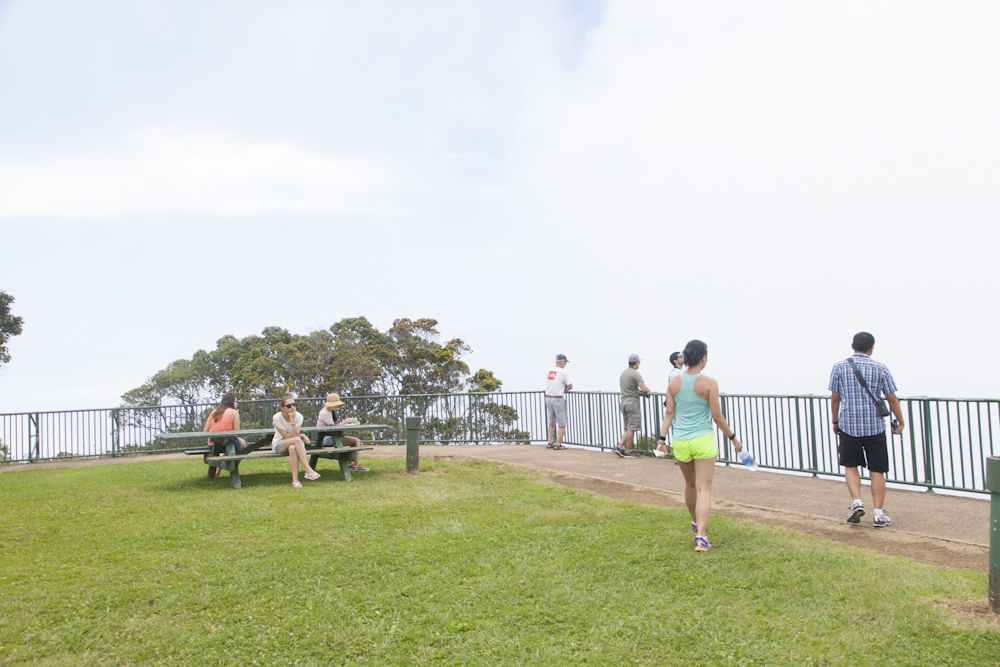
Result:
993,485
413,444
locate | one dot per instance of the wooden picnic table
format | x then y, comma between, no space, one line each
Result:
223,455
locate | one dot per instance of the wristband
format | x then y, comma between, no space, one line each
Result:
662,437
834,422
733,436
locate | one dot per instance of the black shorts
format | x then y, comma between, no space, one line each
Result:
869,451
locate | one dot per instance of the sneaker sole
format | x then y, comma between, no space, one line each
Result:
856,515
882,525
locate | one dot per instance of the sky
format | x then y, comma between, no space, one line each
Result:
540,176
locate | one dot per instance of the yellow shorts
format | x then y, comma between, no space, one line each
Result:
702,447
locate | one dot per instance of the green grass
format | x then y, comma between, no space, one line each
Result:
467,564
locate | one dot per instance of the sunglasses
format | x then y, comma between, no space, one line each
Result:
288,405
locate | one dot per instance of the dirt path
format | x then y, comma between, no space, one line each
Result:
933,551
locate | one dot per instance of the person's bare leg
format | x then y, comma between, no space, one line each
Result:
878,489
559,439
629,438
690,492
300,449
704,472
853,478
293,461
552,428
351,441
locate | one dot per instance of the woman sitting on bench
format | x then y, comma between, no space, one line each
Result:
225,417
288,439
328,417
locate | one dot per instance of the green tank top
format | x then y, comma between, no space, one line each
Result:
693,417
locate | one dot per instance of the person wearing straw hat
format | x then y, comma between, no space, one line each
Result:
328,417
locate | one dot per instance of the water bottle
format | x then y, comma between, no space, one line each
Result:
747,460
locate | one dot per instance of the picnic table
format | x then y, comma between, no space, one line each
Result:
222,455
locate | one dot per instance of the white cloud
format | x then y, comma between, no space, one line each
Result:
166,171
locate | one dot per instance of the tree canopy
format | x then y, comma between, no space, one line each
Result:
352,358
10,326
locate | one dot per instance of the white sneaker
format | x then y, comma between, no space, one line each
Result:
882,521
857,511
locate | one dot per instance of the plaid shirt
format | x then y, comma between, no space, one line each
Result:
858,416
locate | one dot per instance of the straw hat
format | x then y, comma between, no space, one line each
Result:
333,400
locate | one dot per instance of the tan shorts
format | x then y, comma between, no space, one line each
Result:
632,414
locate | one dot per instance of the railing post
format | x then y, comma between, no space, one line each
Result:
812,432
116,449
993,486
928,444
34,439
412,444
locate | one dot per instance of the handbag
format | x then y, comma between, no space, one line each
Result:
881,407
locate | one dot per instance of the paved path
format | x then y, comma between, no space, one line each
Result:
929,527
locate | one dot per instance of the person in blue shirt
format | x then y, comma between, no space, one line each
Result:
859,428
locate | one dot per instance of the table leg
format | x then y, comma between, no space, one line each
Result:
345,468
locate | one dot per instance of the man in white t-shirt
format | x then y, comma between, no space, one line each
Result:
556,386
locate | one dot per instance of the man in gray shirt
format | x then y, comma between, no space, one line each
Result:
631,387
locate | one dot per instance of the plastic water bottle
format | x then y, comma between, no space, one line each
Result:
747,460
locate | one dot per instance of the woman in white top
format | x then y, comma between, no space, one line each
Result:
288,439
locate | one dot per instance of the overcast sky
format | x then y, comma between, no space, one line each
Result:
541,176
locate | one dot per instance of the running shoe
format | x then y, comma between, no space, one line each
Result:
882,521
630,454
620,451
857,511
701,544
356,467
694,528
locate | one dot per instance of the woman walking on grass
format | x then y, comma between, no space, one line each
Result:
692,405
289,440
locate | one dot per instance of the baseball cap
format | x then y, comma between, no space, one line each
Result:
632,358
562,357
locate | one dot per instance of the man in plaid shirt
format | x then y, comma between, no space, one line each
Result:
861,431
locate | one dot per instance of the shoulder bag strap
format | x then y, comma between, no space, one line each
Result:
861,379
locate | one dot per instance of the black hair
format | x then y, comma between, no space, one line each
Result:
673,359
694,352
863,342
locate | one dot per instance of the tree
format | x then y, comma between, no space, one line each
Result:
351,358
418,364
10,326
484,382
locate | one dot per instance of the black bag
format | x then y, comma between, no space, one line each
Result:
881,407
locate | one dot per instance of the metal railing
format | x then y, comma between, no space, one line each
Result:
475,418
944,445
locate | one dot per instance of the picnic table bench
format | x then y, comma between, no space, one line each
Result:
222,455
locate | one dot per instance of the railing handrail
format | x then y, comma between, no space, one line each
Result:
943,446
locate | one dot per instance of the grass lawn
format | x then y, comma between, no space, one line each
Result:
464,564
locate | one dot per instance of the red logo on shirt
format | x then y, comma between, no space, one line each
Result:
552,375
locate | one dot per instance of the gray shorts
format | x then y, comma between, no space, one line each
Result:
555,410
632,414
